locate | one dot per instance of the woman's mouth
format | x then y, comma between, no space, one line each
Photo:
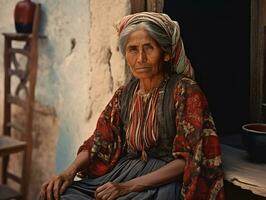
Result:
142,69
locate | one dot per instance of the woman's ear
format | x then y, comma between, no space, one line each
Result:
166,57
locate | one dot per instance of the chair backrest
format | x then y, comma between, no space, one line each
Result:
19,90
23,90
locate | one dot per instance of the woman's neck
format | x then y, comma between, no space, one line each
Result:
148,84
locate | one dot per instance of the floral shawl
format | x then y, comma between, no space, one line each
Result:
196,142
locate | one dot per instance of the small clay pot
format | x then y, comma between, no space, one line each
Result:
254,141
23,16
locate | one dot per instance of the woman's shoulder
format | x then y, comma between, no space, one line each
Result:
184,82
123,91
117,94
120,89
185,85
128,88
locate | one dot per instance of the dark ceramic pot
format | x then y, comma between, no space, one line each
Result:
254,140
23,15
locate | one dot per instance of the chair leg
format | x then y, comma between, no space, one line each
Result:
5,162
26,174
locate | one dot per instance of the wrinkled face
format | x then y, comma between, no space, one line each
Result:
143,55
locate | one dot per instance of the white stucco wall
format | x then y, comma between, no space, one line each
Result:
103,73
79,70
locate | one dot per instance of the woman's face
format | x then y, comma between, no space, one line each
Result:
143,55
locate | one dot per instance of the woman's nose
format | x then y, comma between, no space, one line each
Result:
142,57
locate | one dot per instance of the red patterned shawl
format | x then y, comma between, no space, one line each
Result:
196,142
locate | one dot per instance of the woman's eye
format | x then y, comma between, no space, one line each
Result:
148,47
132,50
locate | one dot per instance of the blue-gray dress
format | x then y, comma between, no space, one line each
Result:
126,169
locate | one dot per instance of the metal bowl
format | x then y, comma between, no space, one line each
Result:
254,141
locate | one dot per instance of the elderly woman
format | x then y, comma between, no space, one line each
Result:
156,138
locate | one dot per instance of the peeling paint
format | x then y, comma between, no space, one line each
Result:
108,57
73,44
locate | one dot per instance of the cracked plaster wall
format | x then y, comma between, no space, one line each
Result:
79,70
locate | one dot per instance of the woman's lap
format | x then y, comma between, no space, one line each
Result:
126,169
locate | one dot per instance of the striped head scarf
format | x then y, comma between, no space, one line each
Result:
179,59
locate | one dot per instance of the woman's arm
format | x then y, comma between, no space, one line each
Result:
197,143
79,163
165,174
108,123
57,184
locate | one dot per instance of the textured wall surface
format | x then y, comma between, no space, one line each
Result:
104,72
79,70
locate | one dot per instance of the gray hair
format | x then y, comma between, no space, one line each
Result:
156,32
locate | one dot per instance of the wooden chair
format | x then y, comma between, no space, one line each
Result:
22,97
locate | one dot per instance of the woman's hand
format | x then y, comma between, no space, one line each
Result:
112,190
58,184
52,189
